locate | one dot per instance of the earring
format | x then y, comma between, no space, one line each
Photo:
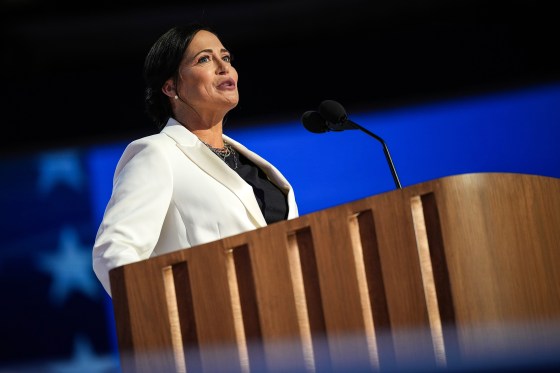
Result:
176,97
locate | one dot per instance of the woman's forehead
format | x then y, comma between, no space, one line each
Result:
204,40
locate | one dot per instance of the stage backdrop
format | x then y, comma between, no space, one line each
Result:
58,318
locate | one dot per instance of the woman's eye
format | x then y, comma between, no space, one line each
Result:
203,59
227,58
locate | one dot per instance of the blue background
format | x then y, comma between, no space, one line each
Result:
58,318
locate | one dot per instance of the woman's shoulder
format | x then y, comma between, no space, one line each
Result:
155,145
151,141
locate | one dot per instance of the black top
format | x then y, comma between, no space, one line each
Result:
271,199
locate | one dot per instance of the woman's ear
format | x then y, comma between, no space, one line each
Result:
168,88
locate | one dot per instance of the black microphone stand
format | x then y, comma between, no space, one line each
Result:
385,150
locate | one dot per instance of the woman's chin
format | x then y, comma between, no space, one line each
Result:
232,101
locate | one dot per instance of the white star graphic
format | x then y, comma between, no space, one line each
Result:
70,268
85,361
60,167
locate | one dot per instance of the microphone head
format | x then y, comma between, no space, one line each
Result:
314,122
333,112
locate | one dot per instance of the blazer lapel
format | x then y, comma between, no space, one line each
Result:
198,153
272,173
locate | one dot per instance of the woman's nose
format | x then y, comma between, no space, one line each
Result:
223,67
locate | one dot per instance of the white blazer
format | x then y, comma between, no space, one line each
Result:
171,192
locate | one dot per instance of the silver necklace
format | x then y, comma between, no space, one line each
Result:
224,153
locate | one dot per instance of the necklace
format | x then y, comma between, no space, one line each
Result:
225,153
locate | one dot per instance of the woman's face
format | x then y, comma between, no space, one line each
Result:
207,80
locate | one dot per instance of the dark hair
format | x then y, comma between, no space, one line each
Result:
162,63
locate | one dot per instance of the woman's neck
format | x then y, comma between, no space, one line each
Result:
211,136
208,128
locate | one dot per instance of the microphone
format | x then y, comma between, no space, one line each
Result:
314,122
336,117
332,117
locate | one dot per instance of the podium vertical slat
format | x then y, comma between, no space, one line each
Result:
144,331
220,342
276,303
340,292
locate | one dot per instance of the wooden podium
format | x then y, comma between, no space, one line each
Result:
459,270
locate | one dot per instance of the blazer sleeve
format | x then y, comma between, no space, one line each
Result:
131,224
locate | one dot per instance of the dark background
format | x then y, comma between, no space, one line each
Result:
71,70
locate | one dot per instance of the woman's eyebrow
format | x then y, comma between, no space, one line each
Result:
223,50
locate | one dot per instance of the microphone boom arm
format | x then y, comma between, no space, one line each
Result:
385,150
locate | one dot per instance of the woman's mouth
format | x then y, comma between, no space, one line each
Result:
227,85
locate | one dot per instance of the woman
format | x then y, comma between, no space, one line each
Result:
189,184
